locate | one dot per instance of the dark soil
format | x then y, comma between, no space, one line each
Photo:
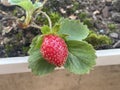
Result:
104,16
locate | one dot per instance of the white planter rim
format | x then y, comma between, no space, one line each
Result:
20,64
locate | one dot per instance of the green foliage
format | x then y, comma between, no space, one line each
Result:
26,4
15,1
37,5
19,35
53,16
25,49
111,26
39,65
88,22
98,40
76,5
81,57
75,29
45,29
35,45
82,15
9,48
29,8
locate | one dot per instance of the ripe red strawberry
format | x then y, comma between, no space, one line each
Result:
54,50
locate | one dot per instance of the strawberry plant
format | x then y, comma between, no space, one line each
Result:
61,45
30,8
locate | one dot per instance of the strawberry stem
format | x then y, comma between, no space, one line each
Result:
28,17
49,20
34,25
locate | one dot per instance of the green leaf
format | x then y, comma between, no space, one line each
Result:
38,65
81,58
36,43
73,28
45,29
63,36
37,5
13,2
25,4
56,28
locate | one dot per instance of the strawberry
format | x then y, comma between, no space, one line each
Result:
54,50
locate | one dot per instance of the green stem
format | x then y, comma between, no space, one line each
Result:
28,18
44,13
49,20
35,25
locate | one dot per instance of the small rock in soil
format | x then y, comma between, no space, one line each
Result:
114,35
102,31
73,17
96,12
105,12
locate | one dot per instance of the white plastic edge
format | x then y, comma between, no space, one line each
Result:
20,64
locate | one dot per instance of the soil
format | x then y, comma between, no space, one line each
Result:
104,16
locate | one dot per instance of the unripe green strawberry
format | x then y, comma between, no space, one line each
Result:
54,50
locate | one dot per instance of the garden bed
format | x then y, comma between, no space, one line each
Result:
20,64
